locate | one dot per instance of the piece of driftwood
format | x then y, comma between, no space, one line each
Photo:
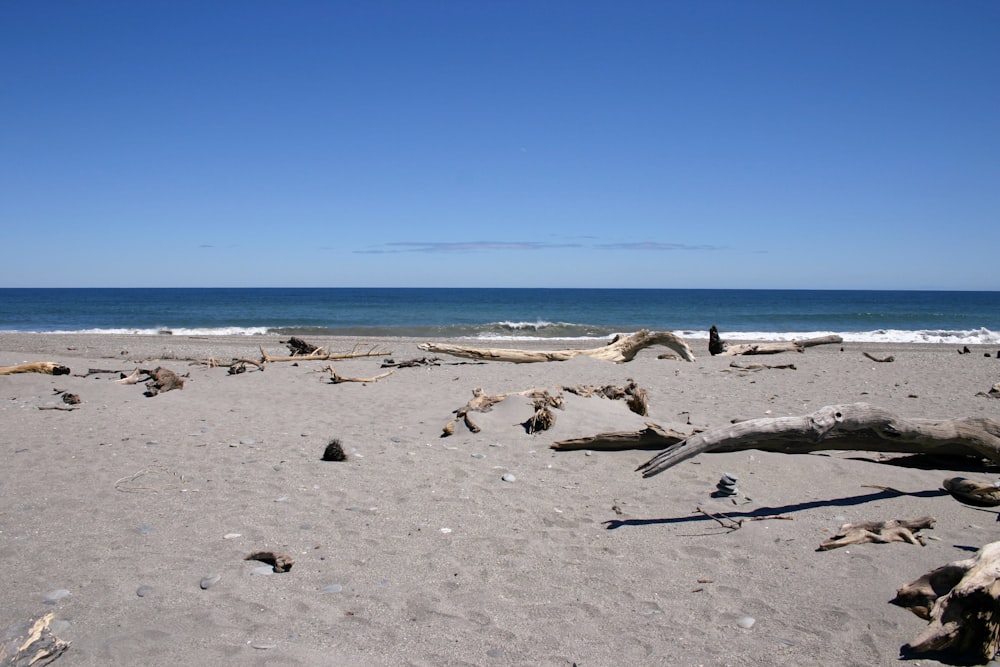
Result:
634,396
778,346
411,363
881,360
483,402
542,419
157,380
980,494
994,392
962,602
299,347
31,643
653,436
854,426
760,367
44,367
322,356
336,378
879,532
621,349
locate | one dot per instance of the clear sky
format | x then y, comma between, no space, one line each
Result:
536,143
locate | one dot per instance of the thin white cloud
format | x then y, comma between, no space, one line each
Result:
656,246
465,246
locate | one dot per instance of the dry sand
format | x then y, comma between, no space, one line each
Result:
415,551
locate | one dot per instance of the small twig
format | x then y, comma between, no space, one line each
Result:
884,360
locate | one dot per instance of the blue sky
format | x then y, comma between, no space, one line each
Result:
708,143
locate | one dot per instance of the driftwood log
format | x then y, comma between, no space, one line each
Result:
620,349
779,346
719,347
320,355
879,532
653,436
157,380
31,643
962,602
854,426
46,367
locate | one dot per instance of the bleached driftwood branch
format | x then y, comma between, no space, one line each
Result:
854,426
46,367
620,349
776,347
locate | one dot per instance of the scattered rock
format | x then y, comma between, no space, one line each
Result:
334,451
280,562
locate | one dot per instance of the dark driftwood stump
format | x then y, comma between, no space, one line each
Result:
961,602
30,643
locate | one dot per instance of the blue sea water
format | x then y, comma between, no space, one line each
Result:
507,313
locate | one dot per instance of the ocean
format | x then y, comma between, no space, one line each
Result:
508,313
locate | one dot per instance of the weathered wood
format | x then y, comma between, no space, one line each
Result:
321,356
44,367
779,346
968,491
621,349
651,437
855,426
879,532
31,643
962,602
299,347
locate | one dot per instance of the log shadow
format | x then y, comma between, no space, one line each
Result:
850,501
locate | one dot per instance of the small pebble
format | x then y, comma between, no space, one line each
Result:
446,530
231,536
331,588
263,646
746,622
477,455
508,477
58,594
143,590
209,581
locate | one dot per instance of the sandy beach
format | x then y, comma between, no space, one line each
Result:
130,517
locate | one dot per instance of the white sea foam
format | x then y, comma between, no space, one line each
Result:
219,331
969,337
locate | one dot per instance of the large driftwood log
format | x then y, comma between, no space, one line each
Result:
31,643
776,347
46,367
620,349
854,426
962,602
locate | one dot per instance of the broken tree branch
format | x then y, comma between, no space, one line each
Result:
619,350
855,426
